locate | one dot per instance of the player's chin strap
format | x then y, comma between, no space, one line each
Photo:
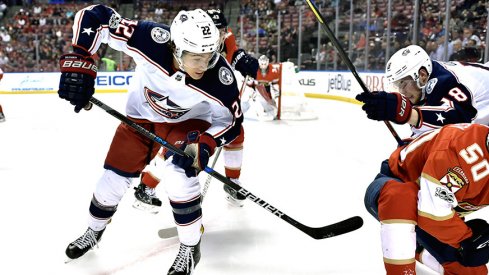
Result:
327,231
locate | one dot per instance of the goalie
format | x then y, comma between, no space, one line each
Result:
265,90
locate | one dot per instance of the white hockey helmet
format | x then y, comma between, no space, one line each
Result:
195,32
263,61
407,62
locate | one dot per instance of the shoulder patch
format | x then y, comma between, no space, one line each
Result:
225,76
431,85
454,179
160,35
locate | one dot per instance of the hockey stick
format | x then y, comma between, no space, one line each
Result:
347,60
170,232
209,177
327,231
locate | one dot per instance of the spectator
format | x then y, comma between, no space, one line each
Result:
456,46
109,64
469,35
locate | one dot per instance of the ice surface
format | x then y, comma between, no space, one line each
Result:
314,171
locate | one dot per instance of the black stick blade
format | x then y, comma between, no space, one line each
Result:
336,229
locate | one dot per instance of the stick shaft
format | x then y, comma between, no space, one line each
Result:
316,233
347,60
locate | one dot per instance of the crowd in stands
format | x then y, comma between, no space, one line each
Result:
467,25
33,37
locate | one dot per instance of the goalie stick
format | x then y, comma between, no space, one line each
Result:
327,231
170,232
347,60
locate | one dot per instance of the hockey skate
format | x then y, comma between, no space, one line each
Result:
234,198
146,199
2,117
84,243
187,259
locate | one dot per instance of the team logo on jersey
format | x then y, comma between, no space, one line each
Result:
163,105
226,76
454,179
430,85
160,35
183,18
114,21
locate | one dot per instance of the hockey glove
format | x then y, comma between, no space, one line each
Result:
244,63
474,251
386,106
77,82
200,148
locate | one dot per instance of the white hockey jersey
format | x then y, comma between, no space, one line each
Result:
456,92
157,92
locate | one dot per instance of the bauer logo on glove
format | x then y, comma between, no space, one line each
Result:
386,106
77,81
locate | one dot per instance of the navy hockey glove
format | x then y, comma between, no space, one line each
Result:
77,82
386,106
244,63
200,148
474,251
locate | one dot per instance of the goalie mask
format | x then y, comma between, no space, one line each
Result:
194,32
407,62
263,62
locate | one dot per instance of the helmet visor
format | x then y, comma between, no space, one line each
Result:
203,61
398,85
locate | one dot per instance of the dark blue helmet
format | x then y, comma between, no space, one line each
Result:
218,18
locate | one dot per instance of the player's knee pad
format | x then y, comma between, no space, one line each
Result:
179,187
108,193
398,242
111,187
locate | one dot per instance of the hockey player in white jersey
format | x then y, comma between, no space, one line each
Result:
244,65
430,93
183,91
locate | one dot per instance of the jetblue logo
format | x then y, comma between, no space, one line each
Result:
339,83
